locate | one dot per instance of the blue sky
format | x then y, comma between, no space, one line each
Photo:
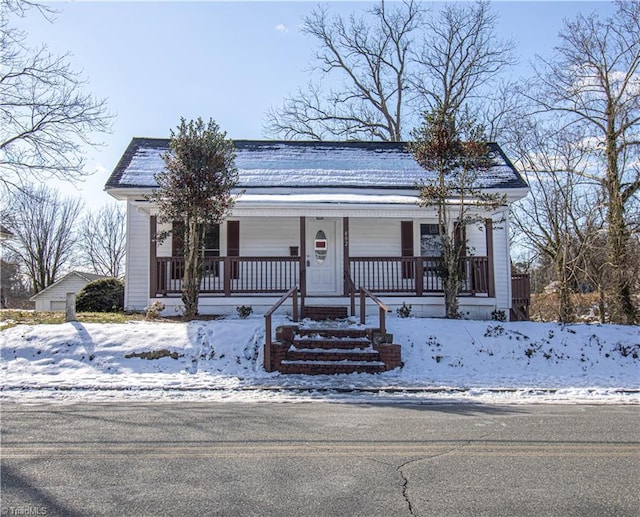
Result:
158,61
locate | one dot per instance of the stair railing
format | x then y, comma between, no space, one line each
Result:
293,292
382,308
350,289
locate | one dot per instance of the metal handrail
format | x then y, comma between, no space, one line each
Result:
267,322
364,292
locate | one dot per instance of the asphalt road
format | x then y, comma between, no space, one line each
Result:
320,459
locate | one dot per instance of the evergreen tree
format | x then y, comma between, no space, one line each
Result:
439,148
196,188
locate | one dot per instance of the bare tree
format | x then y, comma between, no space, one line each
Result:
42,223
560,220
593,82
371,55
102,235
397,63
460,59
46,119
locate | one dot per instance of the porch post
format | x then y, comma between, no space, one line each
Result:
491,287
153,263
303,260
345,255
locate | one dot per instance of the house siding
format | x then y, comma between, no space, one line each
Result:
136,294
268,237
374,237
57,294
502,263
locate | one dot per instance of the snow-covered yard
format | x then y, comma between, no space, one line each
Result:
444,360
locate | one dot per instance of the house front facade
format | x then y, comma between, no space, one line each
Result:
325,217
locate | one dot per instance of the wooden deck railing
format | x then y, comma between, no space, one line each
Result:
293,293
520,289
520,296
273,275
419,275
382,309
231,275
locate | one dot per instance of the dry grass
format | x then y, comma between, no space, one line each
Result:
13,317
545,307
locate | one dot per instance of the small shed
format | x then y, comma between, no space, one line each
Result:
54,297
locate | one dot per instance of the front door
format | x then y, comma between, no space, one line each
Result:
322,253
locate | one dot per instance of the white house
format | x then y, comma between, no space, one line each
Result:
54,297
327,217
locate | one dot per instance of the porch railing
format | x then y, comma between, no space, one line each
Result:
520,296
231,275
273,275
417,275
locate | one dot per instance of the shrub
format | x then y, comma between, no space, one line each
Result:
499,315
154,310
404,311
244,311
104,295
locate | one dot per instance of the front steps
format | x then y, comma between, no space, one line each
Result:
330,347
324,312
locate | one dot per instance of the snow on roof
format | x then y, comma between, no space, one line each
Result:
309,164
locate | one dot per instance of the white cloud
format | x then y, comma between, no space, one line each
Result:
281,28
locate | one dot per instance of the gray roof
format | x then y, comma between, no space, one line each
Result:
297,164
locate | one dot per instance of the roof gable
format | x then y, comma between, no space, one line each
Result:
299,164
88,277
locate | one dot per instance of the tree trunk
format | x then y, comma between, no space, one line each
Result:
191,281
452,276
565,310
602,304
622,309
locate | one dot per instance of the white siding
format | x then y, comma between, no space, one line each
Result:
502,264
50,299
268,237
476,240
164,247
136,293
374,237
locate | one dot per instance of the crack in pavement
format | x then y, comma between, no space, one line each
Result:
400,468
405,477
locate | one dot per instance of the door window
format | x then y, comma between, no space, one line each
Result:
320,246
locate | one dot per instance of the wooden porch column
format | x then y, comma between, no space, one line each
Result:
491,287
153,253
303,258
345,254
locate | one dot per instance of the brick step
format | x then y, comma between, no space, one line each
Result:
310,354
332,332
322,312
325,343
329,367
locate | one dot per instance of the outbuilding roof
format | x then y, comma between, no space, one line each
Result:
300,164
87,277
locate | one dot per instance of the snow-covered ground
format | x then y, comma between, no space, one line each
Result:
474,361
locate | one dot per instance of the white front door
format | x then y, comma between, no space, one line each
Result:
322,257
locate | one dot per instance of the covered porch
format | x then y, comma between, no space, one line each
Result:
400,276
328,258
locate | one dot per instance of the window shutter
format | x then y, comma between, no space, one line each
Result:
406,247
233,244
